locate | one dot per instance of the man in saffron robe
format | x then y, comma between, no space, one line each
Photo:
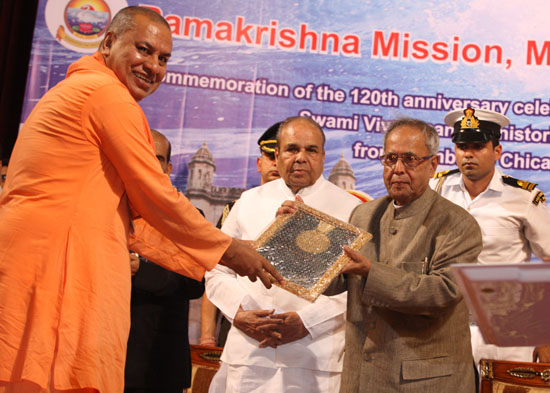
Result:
83,186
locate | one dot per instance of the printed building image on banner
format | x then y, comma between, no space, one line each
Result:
353,66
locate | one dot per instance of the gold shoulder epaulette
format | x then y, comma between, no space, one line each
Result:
225,213
445,173
539,198
518,183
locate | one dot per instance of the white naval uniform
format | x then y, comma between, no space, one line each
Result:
311,364
513,227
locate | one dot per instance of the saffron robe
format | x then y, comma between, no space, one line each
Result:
82,167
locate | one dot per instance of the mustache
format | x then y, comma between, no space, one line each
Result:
146,75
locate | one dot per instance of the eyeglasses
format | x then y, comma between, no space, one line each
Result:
410,160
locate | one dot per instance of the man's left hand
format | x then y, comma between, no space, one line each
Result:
288,207
134,262
286,328
246,261
542,354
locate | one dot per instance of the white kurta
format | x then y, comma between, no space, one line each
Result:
320,351
513,228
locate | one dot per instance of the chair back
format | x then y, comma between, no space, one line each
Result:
205,362
500,376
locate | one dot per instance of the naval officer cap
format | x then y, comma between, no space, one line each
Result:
268,140
476,125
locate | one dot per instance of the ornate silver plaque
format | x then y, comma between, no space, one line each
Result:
306,247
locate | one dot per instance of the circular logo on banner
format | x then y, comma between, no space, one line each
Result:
80,25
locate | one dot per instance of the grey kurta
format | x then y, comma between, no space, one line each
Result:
407,326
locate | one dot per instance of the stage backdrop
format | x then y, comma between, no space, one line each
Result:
352,65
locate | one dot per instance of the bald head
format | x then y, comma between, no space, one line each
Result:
163,149
125,20
304,120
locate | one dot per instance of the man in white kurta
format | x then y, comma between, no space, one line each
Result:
512,214
312,363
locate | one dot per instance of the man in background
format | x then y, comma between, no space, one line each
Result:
512,213
267,168
301,351
3,173
158,358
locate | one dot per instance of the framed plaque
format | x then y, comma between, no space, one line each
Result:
509,302
306,247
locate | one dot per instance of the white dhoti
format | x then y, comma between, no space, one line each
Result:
254,379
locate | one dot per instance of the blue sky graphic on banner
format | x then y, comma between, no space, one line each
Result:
353,65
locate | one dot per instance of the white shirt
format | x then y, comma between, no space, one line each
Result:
324,319
512,225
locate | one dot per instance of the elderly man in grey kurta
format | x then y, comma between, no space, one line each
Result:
407,324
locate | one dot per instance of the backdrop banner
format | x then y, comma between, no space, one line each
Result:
352,65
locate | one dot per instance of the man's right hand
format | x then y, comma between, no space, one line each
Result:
246,261
359,264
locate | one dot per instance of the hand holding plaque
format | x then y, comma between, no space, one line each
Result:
306,247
